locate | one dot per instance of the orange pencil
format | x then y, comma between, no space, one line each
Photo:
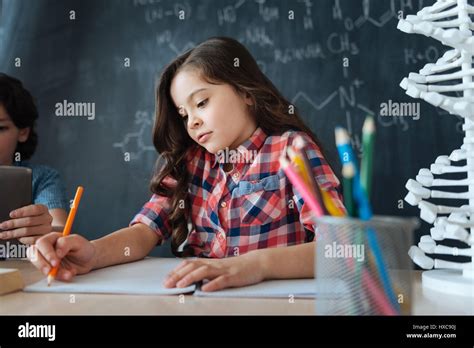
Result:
67,228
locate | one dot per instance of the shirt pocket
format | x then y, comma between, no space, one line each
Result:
260,201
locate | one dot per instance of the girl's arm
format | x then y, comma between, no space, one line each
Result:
250,268
295,261
77,255
125,245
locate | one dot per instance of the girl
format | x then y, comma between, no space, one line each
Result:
220,128
18,142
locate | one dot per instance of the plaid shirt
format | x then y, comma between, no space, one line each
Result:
254,206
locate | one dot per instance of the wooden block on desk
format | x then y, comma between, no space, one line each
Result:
10,280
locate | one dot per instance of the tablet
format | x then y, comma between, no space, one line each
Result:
15,189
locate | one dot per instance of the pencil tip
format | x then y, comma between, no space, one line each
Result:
342,137
290,152
348,170
284,162
299,142
369,125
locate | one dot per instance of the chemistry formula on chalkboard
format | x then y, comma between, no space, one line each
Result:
337,61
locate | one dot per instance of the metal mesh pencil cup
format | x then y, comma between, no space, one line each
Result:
363,267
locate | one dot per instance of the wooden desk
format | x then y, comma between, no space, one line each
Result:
22,303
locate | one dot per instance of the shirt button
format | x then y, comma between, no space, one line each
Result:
235,175
223,204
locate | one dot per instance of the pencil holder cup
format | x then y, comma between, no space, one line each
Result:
363,267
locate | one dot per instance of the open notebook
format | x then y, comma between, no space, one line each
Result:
146,277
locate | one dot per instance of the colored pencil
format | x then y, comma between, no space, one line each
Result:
67,229
368,138
348,172
302,164
364,209
298,182
347,156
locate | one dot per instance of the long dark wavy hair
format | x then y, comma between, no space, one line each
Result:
214,60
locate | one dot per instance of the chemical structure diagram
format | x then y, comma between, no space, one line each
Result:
345,94
346,99
133,143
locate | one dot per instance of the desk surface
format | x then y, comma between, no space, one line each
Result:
22,303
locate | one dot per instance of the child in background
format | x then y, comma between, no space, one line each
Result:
220,128
18,141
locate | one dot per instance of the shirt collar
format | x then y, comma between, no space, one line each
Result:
254,143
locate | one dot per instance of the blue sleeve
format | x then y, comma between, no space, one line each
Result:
48,189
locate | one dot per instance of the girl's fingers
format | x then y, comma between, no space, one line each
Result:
29,221
203,272
221,282
175,275
29,210
38,260
63,275
66,272
68,244
26,232
45,247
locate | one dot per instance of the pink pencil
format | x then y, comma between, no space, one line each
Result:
300,186
368,281
373,289
377,294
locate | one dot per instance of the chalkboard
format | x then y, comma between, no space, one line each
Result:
336,60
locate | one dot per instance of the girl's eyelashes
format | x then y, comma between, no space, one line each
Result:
202,103
3,128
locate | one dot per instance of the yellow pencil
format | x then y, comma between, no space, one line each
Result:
299,163
299,146
327,201
68,227
302,165
330,205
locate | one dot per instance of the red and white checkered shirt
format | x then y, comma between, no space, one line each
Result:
254,206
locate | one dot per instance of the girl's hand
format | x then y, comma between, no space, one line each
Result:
222,273
27,224
74,254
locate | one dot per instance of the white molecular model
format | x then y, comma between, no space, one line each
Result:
447,84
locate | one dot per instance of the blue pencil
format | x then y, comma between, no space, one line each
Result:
365,211
347,156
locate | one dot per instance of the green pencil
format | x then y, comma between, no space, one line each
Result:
368,139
